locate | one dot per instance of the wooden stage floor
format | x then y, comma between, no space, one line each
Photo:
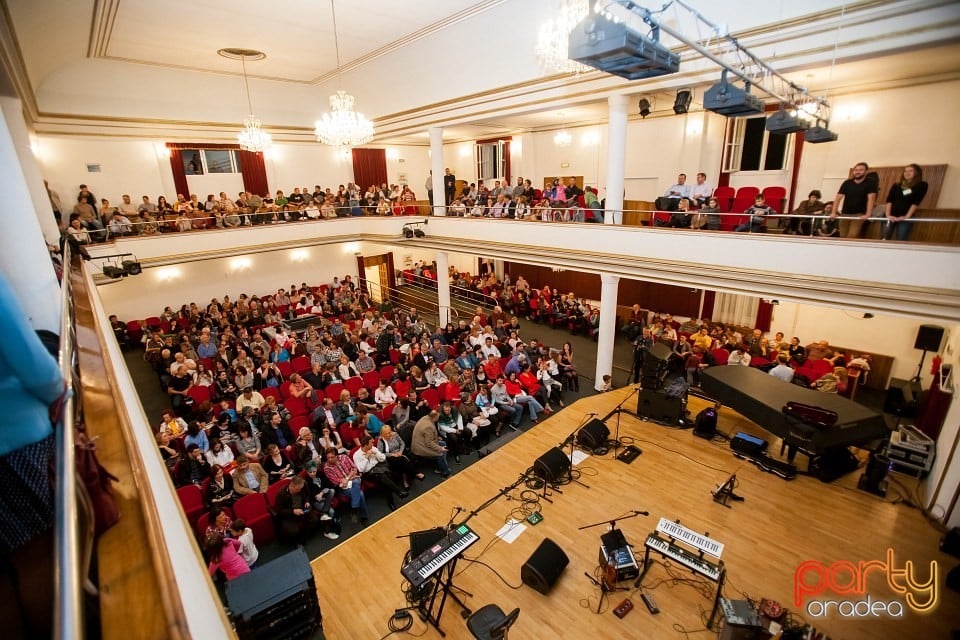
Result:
780,525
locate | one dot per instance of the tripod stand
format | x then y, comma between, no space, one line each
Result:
614,548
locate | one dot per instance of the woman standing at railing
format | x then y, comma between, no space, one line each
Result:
902,202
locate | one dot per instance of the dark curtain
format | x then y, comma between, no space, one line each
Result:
709,299
254,173
369,167
361,275
176,166
764,316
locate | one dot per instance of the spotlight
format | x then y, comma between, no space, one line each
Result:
407,232
131,267
867,316
113,271
729,100
818,134
682,104
419,233
783,123
412,229
614,48
644,107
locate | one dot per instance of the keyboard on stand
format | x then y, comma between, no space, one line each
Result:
428,563
692,561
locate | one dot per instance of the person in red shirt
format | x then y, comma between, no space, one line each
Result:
528,381
492,367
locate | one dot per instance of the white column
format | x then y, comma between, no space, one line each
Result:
608,326
443,284
436,165
24,259
13,113
616,157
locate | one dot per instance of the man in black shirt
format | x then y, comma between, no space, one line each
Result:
855,201
449,185
572,192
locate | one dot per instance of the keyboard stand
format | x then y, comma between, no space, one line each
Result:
647,561
443,584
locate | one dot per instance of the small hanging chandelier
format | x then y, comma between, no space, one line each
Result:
562,138
554,37
342,127
251,137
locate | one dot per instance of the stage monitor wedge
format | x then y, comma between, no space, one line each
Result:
616,49
730,100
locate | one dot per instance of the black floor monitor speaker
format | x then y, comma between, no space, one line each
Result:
544,567
929,337
833,464
552,465
593,435
659,351
705,426
659,407
903,398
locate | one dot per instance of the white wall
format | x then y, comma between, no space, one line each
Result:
883,334
142,167
253,274
133,167
889,128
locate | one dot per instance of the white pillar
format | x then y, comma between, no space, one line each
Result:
608,326
24,259
13,114
616,157
436,165
443,284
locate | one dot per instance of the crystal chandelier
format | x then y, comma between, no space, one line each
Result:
342,127
251,137
562,138
554,36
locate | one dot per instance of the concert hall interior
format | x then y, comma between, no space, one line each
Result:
139,99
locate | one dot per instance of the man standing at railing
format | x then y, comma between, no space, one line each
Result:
449,185
854,201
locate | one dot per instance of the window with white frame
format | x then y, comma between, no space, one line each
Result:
750,147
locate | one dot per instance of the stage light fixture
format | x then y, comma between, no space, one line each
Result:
783,122
131,267
611,46
644,107
682,103
819,134
412,229
729,100
113,271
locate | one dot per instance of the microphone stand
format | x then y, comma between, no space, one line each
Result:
618,410
571,439
610,567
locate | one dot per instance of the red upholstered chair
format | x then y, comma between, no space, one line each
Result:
285,369
153,322
371,380
273,392
747,192
720,355
432,396
134,331
192,502
298,422
385,413
401,387
256,515
660,218
332,391
301,364
284,389
273,490
394,356
775,197
296,406
724,196
353,385
199,394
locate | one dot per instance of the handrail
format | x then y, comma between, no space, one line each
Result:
462,294
68,611
393,291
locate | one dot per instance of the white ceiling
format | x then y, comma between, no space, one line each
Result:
467,65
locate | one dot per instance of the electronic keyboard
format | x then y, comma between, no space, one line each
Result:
428,563
690,560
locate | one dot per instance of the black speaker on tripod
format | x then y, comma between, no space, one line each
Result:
552,465
593,435
655,366
929,337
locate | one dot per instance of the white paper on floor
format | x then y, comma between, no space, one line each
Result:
511,531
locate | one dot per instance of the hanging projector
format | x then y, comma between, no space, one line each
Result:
783,122
818,134
612,47
729,100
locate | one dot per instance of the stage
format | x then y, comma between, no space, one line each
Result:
780,525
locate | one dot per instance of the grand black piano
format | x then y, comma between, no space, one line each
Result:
761,397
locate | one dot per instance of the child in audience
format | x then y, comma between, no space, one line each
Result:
248,550
223,555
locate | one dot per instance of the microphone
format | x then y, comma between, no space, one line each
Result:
642,513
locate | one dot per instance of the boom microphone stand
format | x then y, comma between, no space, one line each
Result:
606,583
618,410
